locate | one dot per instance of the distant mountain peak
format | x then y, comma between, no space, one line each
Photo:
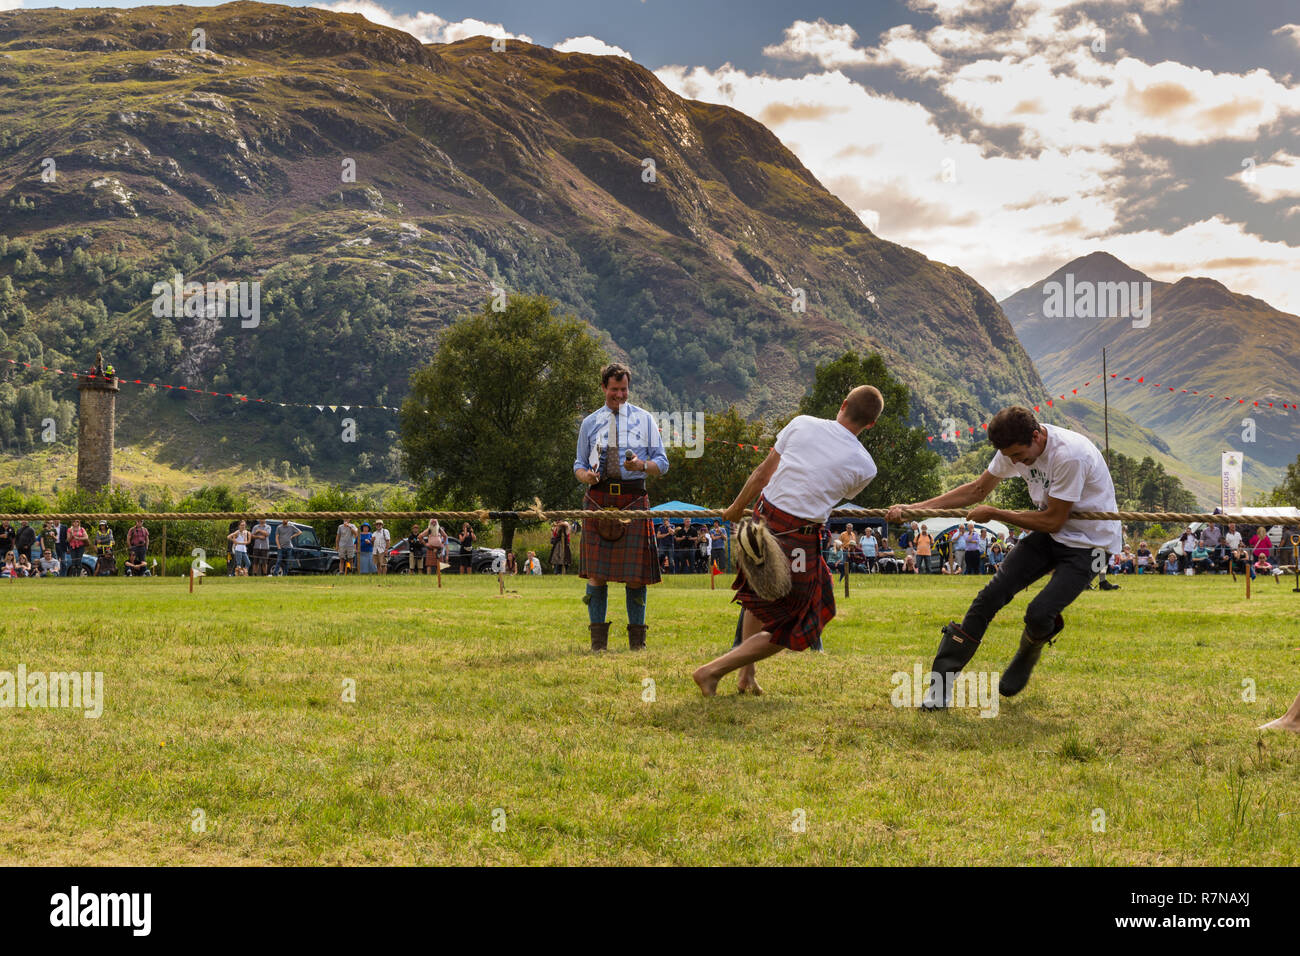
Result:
1099,267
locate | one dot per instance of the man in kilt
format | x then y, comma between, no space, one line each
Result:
618,446
815,464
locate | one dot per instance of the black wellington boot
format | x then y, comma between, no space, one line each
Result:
599,636
956,648
1016,676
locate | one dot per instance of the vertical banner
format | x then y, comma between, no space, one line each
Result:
1231,481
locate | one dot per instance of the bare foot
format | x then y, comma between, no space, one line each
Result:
707,683
1283,723
1288,721
748,686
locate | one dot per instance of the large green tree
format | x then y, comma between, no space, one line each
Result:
493,421
908,469
715,477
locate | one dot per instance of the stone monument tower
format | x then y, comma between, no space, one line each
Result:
95,427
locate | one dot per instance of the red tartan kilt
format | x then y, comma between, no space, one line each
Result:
633,559
797,619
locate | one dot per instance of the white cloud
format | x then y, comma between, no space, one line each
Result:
831,45
1097,103
1279,178
425,27
1291,30
10,4
1219,249
834,46
1007,220
590,44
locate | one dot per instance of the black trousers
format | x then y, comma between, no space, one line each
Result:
1034,555
972,561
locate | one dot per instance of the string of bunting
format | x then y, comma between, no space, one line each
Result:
192,390
334,407
1141,380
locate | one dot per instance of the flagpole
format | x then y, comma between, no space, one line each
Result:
1105,398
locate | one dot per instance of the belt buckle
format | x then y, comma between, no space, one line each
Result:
615,488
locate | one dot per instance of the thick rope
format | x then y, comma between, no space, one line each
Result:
536,514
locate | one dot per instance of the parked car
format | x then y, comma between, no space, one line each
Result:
482,560
307,556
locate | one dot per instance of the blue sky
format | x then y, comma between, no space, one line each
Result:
1000,136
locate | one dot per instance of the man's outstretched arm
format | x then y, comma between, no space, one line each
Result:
959,497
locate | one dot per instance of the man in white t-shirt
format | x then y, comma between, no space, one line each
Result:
1065,472
815,464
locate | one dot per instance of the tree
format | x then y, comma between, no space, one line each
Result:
1287,494
714,478
907,469
493,421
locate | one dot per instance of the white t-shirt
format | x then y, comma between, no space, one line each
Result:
1070,469
381,540
241,541
822,464
1233,540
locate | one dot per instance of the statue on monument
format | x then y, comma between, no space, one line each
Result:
100,370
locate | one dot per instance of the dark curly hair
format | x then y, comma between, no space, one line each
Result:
1012,426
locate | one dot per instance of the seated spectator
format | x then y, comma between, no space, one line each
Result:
49,565
909,563
1127,562
1212,539
1144,560
135,565
955,565
1262,564
835,556
995,557
1171,563
512,565
24,566
10,569
532,565
1201,559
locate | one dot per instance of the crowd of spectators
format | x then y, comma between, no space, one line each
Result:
962,549
691,548
966,549
55,549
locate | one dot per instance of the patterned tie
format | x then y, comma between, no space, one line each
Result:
612,471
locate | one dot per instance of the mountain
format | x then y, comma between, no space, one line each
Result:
527,169
1199,336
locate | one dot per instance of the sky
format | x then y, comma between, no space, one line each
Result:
1003,137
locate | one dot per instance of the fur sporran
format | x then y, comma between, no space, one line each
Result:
761,560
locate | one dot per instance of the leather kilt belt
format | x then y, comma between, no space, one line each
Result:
795,620
618,549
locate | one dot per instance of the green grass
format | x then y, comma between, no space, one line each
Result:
228,701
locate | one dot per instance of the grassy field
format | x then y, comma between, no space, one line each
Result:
473,708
